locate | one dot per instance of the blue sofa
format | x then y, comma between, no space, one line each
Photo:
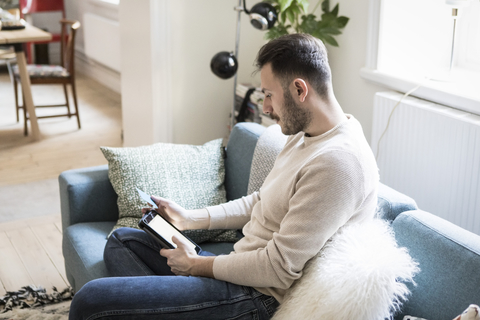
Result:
449,256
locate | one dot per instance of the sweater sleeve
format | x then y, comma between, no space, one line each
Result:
324,198
233,214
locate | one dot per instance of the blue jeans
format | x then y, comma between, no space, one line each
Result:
143,287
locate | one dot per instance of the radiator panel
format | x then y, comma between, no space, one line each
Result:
102,40
431,153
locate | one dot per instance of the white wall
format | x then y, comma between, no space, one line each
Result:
202,101
354,94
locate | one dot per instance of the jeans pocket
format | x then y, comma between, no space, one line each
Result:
270,304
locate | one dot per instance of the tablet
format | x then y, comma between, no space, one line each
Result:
163,231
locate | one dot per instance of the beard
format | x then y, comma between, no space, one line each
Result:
294,118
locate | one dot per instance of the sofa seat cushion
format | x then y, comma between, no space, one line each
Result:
83,245
43,71
449,262
218,248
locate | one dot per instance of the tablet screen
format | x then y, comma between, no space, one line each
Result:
164,229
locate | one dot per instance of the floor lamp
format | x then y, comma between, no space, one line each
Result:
225,64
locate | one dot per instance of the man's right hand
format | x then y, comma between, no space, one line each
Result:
171,211
180,217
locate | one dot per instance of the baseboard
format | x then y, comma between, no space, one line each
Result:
100,73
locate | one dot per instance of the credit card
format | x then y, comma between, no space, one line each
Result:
147,198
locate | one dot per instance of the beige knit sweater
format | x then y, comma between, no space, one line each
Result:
317,185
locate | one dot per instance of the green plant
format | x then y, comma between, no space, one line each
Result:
293,17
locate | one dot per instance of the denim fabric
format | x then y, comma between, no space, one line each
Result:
143,287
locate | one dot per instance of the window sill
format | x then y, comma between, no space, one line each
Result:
108,4
460,94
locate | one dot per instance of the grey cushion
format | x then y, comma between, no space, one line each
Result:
218,248
240,148
449,259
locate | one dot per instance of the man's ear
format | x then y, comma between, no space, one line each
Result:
301,89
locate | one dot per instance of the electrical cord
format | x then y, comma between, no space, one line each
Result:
390,117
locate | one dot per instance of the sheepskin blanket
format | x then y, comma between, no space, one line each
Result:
359,274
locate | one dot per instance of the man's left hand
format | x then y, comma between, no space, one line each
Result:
184,261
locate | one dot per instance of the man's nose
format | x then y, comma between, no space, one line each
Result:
267,107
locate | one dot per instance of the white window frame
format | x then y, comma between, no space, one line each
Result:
457,96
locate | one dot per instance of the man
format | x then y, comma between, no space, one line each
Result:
324,178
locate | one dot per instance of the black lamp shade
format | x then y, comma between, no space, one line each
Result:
263,16
224,64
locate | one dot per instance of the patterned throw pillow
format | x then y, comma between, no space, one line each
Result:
192,176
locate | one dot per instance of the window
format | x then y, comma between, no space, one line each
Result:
112,1
411,42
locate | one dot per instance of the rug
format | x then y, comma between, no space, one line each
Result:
31,302
58,311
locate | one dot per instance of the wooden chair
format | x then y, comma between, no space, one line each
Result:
29,7
48,74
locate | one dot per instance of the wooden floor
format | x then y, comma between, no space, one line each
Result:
63,146
31,253
30,248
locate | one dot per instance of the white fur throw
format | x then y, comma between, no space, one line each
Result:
357,275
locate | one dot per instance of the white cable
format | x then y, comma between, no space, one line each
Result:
390,117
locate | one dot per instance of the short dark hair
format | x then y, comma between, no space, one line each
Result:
297,55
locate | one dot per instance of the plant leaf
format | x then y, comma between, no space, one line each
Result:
296,9
342,21
283,16
326,6
334,12
330,40
304,5
330,30
277,31
290,15
284,4
309,24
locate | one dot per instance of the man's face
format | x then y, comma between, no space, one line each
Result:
281,106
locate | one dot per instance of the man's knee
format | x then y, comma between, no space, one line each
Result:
125,233
87,301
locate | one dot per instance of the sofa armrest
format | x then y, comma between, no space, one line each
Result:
86,195
449,261
392,202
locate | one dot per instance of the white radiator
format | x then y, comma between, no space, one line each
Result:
102,40
431,153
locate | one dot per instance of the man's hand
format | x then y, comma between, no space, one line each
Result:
184,261
180,217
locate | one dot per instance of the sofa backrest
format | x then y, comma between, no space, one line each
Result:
240,148
449,259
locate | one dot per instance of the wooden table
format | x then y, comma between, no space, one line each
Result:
16,38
